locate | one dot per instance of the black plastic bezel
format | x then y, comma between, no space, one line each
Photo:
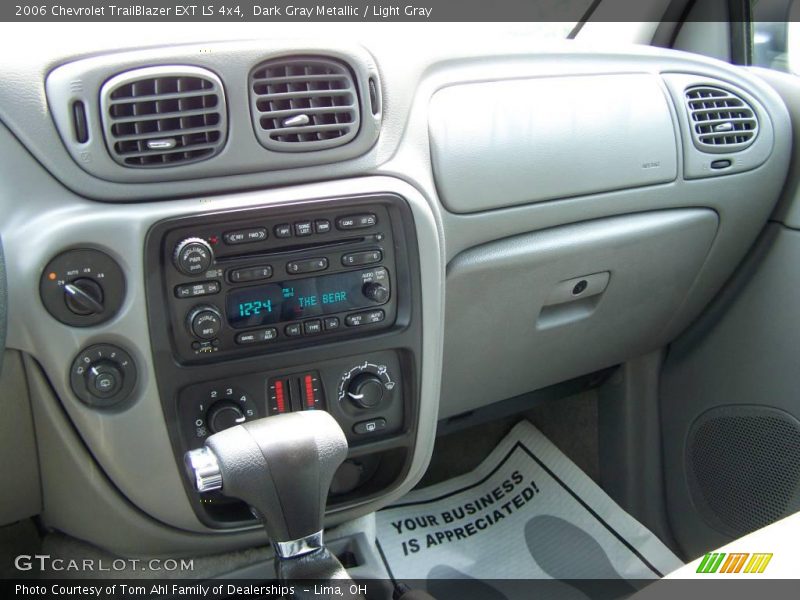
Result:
404,337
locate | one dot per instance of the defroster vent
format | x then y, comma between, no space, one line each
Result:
720,120
164,116
304,103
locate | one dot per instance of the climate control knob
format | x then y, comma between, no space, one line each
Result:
377,292
193,256
223,415
204,322
365,390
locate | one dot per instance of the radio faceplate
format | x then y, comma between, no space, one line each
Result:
270,279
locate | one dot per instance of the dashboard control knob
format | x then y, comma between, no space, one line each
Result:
103,375
84,296
82,287
193,256
375,291
104,379
365,390
223,415
204,322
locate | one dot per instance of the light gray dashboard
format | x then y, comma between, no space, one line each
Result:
488,204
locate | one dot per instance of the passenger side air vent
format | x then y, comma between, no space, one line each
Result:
163,116
720,120
304,103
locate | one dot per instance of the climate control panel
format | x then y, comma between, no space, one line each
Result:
364,395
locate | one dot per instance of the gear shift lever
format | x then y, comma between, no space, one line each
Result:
282,466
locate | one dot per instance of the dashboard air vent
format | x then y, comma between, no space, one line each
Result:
720,120
304,103
163,116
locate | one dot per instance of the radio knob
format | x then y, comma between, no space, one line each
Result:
375,291
224,415
193,256
204,322
365,391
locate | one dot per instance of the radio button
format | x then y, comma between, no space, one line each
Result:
368,257
303,228
256,337
312,327
284,230
309,265
204,322
365,318
375,316
245,236
293,330
250,274
356,221
331,323
248,337
192,290
322,226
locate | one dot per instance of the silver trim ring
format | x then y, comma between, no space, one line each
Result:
204,469
294,548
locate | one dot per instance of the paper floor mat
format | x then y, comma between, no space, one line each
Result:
526,512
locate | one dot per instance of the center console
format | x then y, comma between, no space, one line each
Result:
293,307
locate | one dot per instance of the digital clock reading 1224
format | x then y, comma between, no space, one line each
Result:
254,308
280,302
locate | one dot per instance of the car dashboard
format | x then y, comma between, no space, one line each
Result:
204,233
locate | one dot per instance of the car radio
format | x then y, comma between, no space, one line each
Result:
239,283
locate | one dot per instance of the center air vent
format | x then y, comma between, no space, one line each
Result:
304,103
163,116
720,120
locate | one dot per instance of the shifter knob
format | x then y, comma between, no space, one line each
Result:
282,466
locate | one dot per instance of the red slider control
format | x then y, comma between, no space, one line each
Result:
309,384
280,397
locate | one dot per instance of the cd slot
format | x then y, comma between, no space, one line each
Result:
278,252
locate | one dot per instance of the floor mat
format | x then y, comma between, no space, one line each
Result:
526,512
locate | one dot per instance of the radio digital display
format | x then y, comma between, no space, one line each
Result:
300,298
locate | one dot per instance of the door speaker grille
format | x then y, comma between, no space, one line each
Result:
744,467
